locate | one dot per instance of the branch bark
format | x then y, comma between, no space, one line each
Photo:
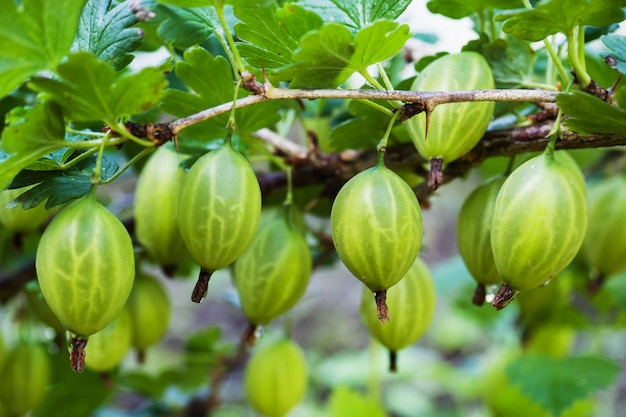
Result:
419,99
334,170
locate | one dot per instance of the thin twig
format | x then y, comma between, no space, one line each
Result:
427,100
284,145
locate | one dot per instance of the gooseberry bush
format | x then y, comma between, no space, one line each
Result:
191,187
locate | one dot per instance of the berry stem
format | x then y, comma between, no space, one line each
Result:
249,334
141,356
393,361
77,353
479,295
504,296
382,145
202,285
435,174
381,306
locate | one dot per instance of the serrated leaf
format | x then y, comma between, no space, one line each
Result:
322,60
42,126
107,34
187,3
378,42
61,186
214,3
356,14
211,80
557,383
34,36
327,57
553,16
617,45
588,114
184,28
89,89
40,132
345,402
457,9
271,34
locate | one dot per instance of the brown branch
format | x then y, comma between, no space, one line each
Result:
334,170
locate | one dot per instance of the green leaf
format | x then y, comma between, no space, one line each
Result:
107,34
345,402
271,34
511,61
184,28
322,60
457,9
588,114
89,89
61,186
554,16
378,42
211,91
356,14
617,45
34,36
187,3
40,132
557,383
42,126
327,57
11,164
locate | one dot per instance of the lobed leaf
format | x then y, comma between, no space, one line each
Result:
34,36
184,28
457,9
327,57
272,34
356,14
41,131
557,383
187,3
554,16
61,186
107,34
89,89
322,60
